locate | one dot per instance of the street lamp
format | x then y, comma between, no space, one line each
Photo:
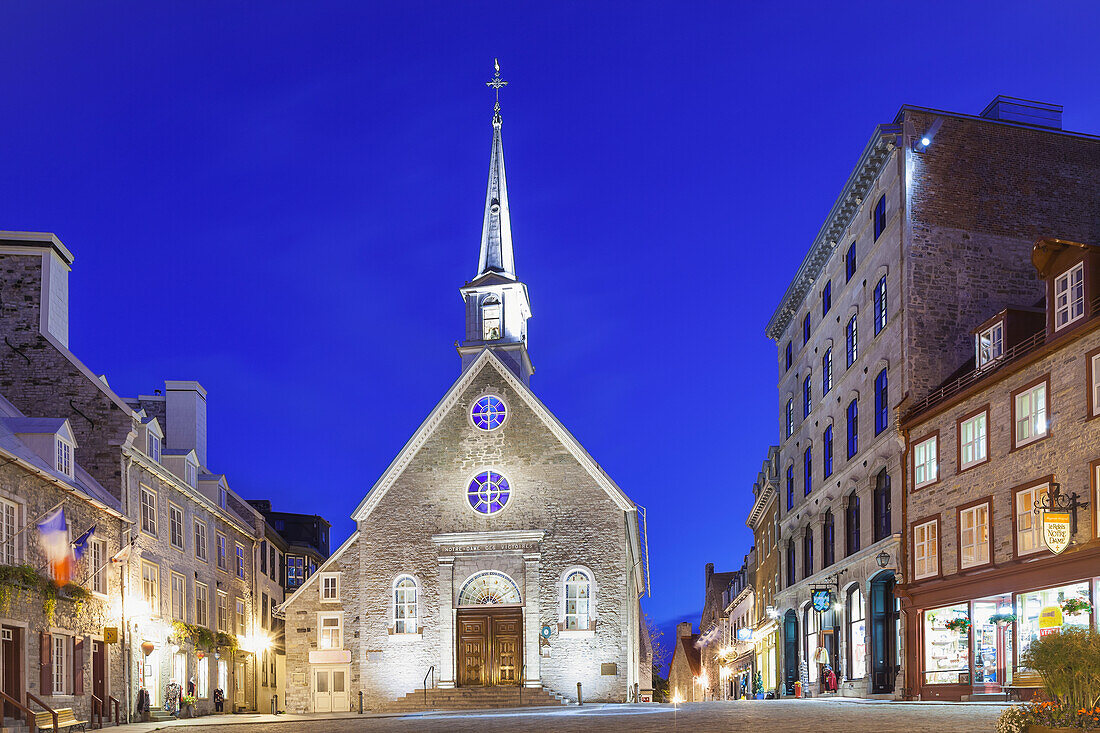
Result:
883,559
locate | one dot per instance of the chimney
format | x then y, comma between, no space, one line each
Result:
710,572
51,280
1024,112
683,629
186,418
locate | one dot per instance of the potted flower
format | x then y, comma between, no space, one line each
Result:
1003,619
187,706
960,624
1072,606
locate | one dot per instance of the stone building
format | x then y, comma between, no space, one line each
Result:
713,630
52,641
187,597
928,236
685,670
492,552
738,657
763,521
984,450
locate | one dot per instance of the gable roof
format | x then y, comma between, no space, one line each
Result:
484,360
323,568
690,652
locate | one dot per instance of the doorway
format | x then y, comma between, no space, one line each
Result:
330,689
490,644
12,666
790,650
99,674
884,633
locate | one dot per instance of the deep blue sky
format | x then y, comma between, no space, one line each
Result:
281,200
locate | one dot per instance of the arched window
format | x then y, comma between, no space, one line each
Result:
489,588
827,552
808,553
811,625
490,318
851,535
578,598
857,635
790,564
882,526
405,605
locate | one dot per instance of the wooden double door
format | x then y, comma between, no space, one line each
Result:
490,646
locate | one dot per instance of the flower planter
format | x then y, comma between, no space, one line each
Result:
1045,729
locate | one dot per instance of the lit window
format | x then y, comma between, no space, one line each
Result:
97,559
990,344
154,447
405,618
179,597
239,607
64,457
330,587
488,492
851,341
880,305
295,570
223,613
330,632
826,372
974,536
1029,535
150,586
1096,384
1031,414
200,540
202,681
1069,296
578,593
148,511
202,605
175,517
972,440
490,319
926,561
924,462
857,635
488,413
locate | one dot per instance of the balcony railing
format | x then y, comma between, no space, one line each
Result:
1010,355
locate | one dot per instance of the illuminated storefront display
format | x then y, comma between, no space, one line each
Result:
1040,613
946,656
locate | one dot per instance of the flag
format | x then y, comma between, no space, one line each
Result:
54,536
123,555
80,545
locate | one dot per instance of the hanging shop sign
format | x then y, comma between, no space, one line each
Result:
1056,530
822,599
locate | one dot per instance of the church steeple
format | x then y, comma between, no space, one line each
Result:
497,306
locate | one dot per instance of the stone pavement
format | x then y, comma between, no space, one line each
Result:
758,716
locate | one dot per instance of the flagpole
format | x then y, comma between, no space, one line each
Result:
104,565
37,519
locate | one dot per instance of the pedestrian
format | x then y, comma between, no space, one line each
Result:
219,700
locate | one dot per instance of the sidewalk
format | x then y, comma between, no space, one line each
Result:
243,719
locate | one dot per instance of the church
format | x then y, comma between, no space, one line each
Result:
492,552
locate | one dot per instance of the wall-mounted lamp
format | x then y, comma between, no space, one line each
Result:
883,559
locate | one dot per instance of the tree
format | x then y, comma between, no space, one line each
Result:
661,654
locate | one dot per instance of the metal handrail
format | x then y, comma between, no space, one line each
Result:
50,710
31,721
431,669
118,706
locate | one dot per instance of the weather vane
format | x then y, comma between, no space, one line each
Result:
496,83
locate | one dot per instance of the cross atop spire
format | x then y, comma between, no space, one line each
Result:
496,83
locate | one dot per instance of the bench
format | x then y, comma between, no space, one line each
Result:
65,719
1026,685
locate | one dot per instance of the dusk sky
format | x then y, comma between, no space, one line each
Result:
281,200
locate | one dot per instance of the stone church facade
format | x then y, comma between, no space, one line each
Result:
493,551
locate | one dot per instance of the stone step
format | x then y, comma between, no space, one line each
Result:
473,698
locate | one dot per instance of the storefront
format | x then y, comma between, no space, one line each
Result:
975,646
767,663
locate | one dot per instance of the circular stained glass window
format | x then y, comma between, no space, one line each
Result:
488,413
488,492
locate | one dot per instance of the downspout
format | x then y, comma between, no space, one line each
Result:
902,589
124,567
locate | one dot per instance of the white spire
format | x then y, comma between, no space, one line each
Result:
496,228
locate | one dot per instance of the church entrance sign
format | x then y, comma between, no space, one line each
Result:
490,644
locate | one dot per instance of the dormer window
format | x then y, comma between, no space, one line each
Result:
154,447
490,319
191,474
990,344
1069,296
223,498
65,457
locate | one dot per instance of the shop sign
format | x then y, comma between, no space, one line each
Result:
110,634
1050,620
1056,530
821,599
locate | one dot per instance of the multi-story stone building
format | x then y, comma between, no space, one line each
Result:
929,235
763,521
685,671
984,451
186,607
714,631
738,657
306,539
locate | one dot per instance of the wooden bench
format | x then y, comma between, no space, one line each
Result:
1026,685
65,719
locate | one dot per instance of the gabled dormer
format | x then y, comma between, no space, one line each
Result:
151,438
184,463
51,439
1002,333
1072,274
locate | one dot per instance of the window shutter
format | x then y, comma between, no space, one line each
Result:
78,665
45,676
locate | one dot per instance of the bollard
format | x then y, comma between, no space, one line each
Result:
274,704
579,701
636,699
360,702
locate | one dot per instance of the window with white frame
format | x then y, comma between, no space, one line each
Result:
405,606
924,462
223,498
175,526
97,557
330,587
8,513
202,605
200,540
179,597
150,586
926,549
65,457
973,447
1029,530
240,560
1095,386
148,511
221,541
578,596
1031,414
191,474
223,612
490,319
989,344
974,536
154,447
202,678
330,631
60,664
239,608
1069,296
